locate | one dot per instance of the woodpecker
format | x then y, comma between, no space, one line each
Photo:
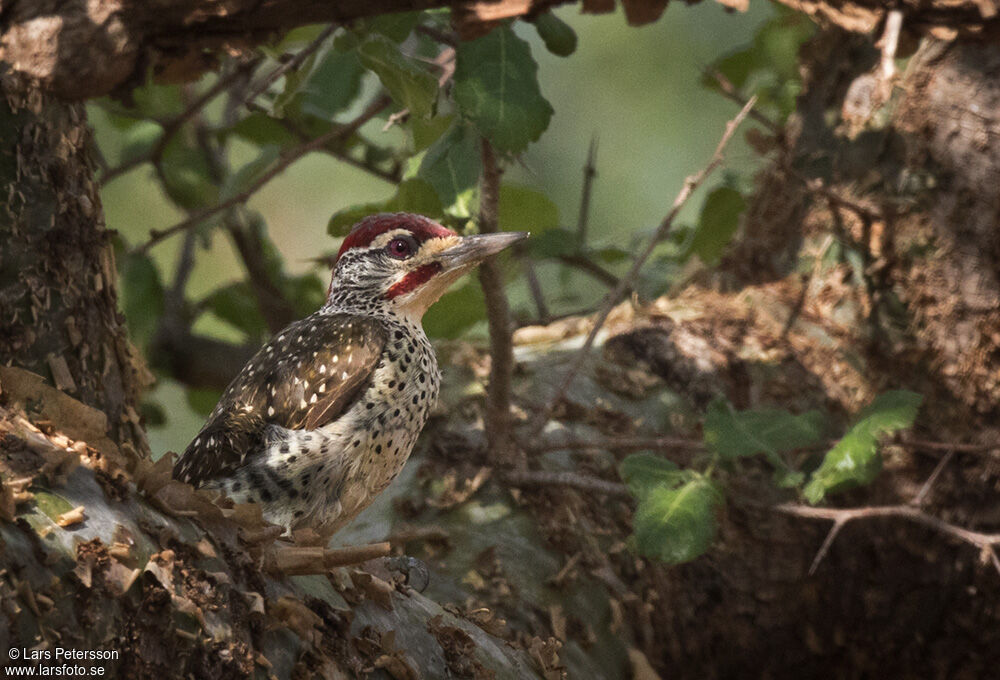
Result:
324,416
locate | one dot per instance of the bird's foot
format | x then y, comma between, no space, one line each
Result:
413,571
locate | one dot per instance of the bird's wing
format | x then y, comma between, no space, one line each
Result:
303,378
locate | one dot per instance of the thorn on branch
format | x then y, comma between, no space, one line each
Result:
589,174
840,516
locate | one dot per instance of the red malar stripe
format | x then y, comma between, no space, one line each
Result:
413,280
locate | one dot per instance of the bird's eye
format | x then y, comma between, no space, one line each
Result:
401,247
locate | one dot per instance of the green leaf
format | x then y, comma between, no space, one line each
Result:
524,209
262,130
236,305
855,458
610,255
333,85
642,472
396,27
296,38
496,87
142,296
139,139
248,174
719,219
294,81
157,102
735,434
677,524
416,195
558,36
412,195
341,221
554,243
426,131
455,312
187,177
769,67
202,401
307,292
410,85
451,166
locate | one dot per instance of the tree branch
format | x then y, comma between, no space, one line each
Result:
276,309
592,269
615,296
841,516
498,314
96,58
911,511
285,160
541,478
173,126
293,63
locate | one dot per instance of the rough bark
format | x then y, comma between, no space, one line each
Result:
57,274
138,575
89,48
82,49
916,196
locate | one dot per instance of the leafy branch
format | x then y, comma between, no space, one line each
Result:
286,159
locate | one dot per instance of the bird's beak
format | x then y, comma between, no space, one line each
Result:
471,250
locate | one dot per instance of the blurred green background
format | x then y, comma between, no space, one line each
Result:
638,90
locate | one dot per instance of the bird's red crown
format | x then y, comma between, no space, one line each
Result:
368,229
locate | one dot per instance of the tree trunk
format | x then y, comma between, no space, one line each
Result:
57,273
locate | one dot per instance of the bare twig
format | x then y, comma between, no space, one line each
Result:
667,443
541,478
498,313
299,560
171,127
926,445
921,496
912,511
592,269
623,444
841,516
589,173
615,296
274,306
888,44
535,288
331,148
814,184
285,160
293,63
445,38
732,93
